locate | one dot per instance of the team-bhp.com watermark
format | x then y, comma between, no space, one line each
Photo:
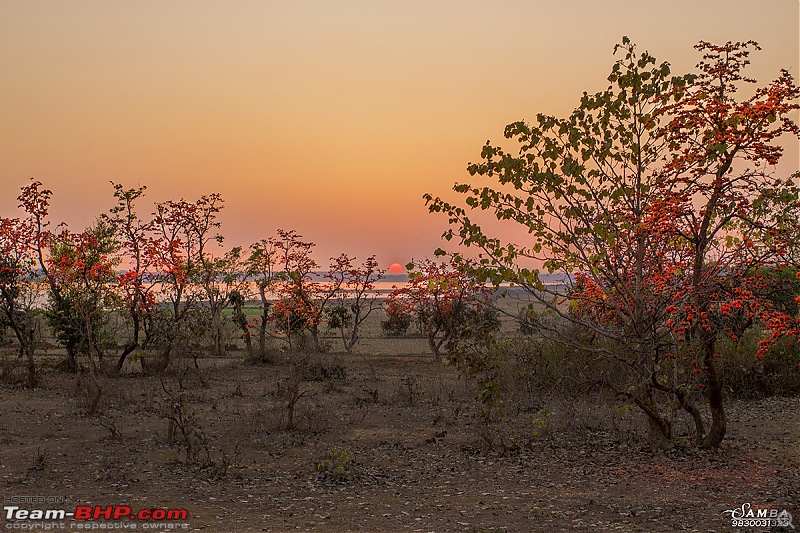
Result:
37,513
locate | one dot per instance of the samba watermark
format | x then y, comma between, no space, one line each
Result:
749,515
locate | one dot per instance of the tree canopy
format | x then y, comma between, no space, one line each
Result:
656,203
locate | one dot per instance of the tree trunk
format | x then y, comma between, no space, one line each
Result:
688,406
24,333
125,353
315,338
131,346
249,345
660,435
93,370
437,355
660,428
715,400
161,363
72,359
243,325
262,332
219,338
31,368
350,342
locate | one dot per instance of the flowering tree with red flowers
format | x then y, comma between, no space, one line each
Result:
225,283
210,273
145,259
263,269
294,310
445,297
653,203
583,187
84,266
19,286
35,202
188,228
238,299
732,217
283,267
301,299
398,317
355,298
171,225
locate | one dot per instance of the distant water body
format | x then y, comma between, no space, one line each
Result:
382,289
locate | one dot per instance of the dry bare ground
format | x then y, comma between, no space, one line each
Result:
394,446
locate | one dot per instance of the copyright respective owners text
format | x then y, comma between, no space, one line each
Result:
55,513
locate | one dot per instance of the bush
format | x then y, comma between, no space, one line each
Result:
396,324
318,371
338,317
338,468
747,377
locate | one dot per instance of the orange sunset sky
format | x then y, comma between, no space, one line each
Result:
331,118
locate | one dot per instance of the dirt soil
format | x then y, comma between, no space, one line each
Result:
413,457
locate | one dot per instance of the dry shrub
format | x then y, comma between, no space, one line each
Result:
325,370
12,369
747,377
530,387
533,376
265,357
